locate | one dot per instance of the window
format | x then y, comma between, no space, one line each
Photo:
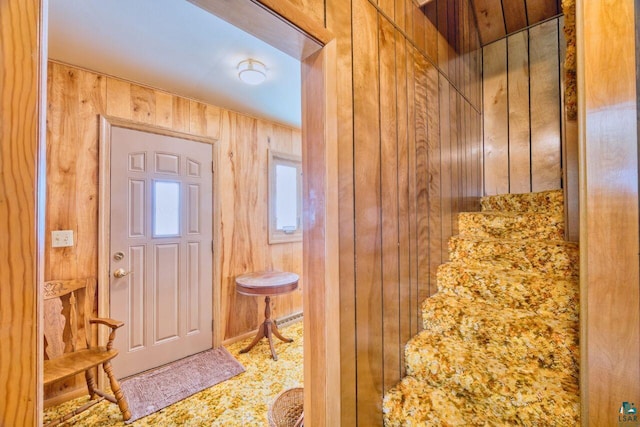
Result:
285,197
166,208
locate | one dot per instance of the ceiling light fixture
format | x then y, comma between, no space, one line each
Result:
252,72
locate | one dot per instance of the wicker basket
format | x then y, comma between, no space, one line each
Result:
286,410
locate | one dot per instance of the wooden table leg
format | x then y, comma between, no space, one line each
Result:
266,329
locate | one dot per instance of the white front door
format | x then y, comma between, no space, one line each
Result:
161,248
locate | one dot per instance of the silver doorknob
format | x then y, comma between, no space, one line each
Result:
120,273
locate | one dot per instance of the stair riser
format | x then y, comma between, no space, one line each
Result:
556,259
483,369
523,226
543,295
551,202
548,401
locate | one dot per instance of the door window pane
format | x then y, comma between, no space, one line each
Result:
166,208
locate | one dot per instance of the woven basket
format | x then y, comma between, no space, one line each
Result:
286,409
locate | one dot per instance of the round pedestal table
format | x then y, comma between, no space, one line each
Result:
267,284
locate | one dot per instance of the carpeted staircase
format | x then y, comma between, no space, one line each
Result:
500,338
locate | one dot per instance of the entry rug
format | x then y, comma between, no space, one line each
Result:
158,388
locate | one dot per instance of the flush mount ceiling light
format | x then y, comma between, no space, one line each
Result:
252,72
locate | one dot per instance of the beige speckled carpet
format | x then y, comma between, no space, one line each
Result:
500,339
240,401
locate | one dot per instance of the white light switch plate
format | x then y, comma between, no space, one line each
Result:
61,238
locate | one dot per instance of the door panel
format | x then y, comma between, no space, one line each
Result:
161,219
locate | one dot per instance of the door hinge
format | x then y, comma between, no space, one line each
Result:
212,246
211,325
212,167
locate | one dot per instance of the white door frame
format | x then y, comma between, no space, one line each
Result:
104,214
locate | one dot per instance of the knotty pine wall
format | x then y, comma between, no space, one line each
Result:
22,60
75,99
522,110
409,131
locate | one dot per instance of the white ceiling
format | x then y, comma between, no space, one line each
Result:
176,46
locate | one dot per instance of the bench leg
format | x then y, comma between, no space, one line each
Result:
117,392
91,383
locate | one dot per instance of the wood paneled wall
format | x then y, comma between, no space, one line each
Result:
497,18
609,241
77,97
22,63
522,111
409,161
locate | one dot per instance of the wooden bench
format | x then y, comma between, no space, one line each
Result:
68,308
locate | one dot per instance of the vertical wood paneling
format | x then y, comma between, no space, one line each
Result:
414,302
490,19
367,212
422,178
446,203
495,108
454,157
539,10
610,277
515,15
390,215
76,98
404,155
442,8
339,19
524,79
433,173
519,126
22,53
545,106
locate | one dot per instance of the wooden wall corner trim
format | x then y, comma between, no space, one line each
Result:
321,245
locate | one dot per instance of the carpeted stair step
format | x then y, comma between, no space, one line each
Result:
506,335
551,296
480,371
553,257
512,225
550,202
545,400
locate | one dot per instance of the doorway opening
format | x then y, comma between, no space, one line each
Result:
320,179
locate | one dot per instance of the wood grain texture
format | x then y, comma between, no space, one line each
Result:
442,10
414,303
433,173
422,178
339,20
498,18
515,15
404,212
539,10
610,296
496,128
454,156
22,61
490,20
271,21
446,204
528,70
519,126
322,327
77,97
389,189
368,224
545,107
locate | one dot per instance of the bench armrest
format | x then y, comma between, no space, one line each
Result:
113,324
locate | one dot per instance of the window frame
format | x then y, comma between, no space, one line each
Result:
276,158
